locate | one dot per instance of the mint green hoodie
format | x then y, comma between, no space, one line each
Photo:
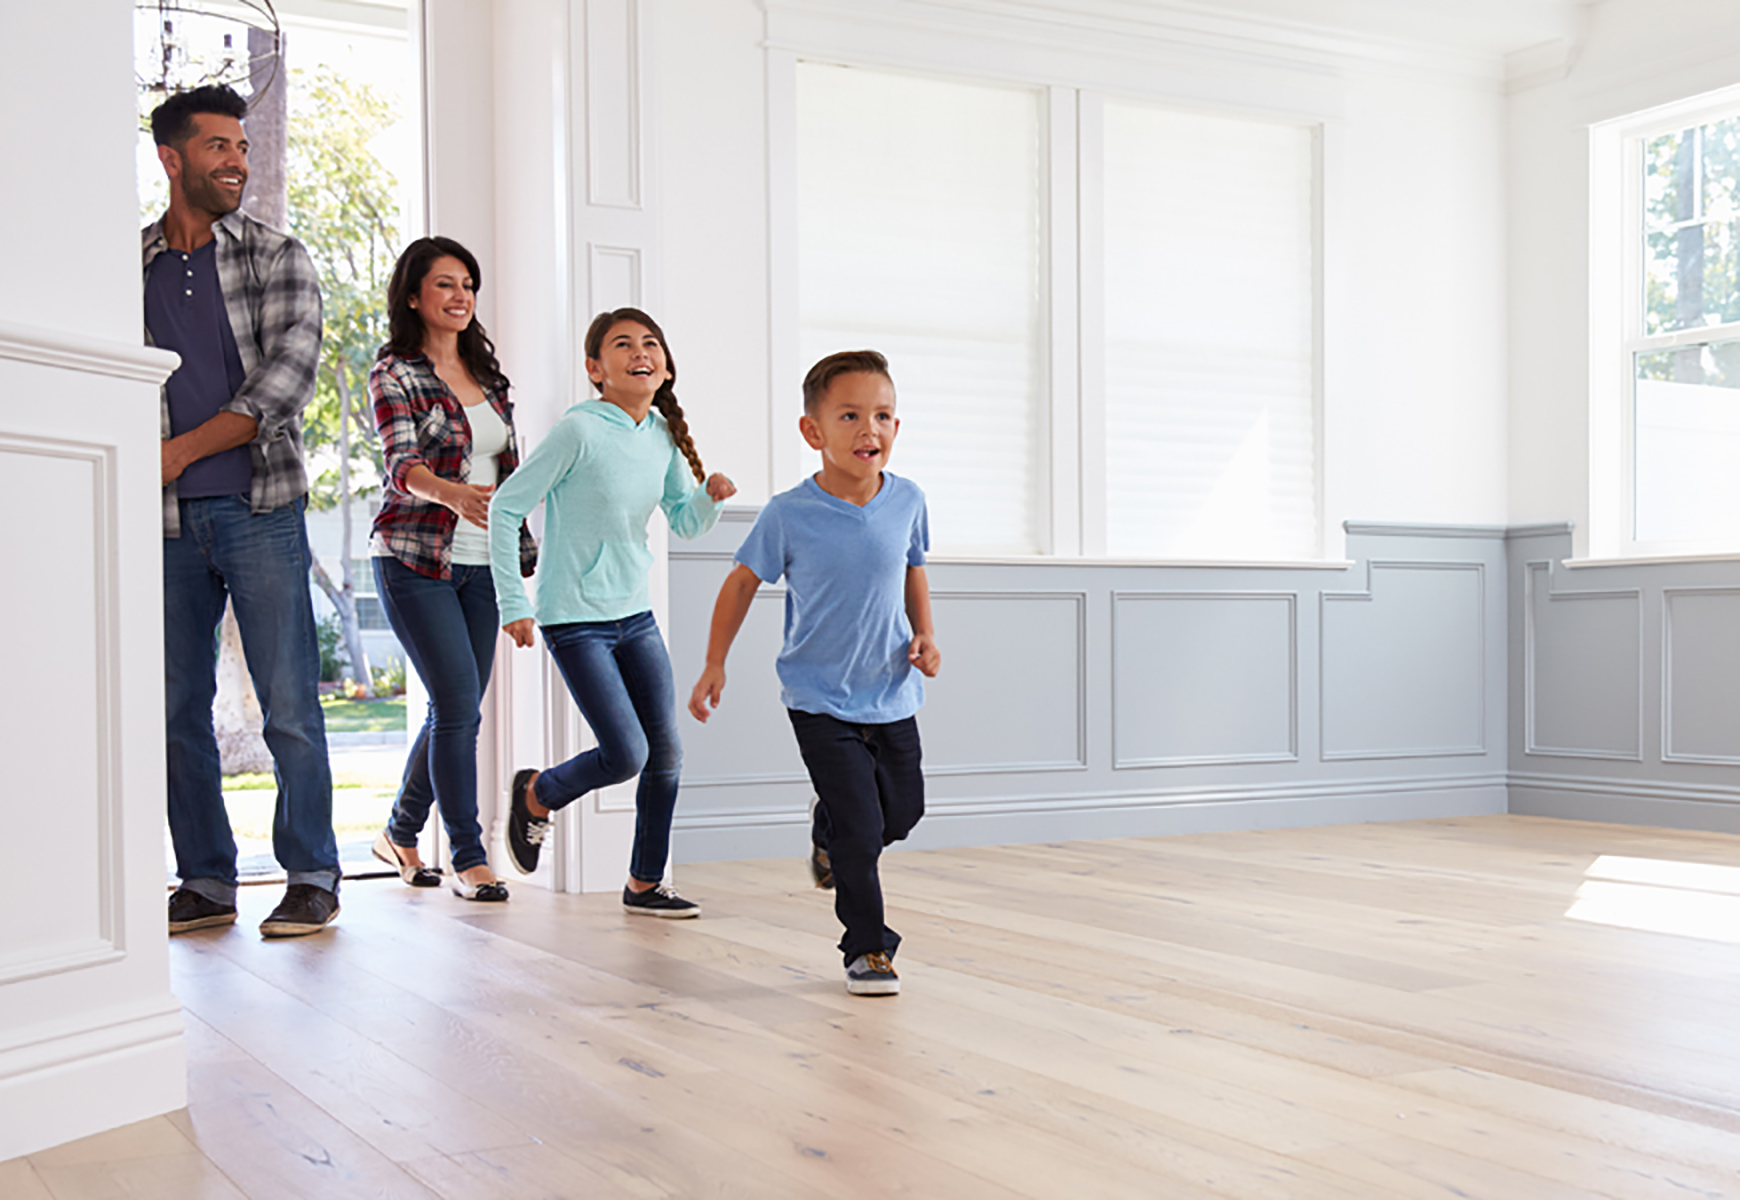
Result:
599,475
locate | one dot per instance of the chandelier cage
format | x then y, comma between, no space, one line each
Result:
183,44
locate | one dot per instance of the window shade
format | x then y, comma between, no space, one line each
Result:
1209,341
919,236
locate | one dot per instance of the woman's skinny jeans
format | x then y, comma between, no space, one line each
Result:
620,675
448,628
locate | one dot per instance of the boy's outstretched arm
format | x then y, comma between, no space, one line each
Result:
924,655
728,613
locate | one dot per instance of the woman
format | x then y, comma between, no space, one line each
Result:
600,472
447,438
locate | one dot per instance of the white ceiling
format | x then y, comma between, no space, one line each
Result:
1486,27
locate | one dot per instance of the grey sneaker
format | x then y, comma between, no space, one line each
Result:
304,909
188,910
872,975
658,901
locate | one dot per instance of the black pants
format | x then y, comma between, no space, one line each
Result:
871,794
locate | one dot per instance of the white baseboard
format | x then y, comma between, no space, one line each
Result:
71,1084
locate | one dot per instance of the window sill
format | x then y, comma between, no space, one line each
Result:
1651,560
1058,560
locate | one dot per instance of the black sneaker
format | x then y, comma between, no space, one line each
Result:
304,909
820,869
525,833
658,901
190,910
872,975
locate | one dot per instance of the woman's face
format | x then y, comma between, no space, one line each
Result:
630,364
447,298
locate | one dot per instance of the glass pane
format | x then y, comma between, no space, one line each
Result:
1721,169
1689,278
1667,179
1687,444
919,235
1210,429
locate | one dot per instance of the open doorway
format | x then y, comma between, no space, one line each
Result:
335,159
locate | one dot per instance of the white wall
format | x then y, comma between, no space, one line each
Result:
1415,410
90,1036
1637,54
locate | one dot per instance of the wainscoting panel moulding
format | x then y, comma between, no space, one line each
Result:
1700,675
1204,678
77,695
1403,675
613,275
1038,728
614,176
1591,699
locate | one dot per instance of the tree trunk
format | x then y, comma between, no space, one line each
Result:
343,596
236,715
268,127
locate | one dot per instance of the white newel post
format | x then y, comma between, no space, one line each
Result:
90,1034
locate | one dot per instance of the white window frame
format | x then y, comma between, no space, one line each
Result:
1616,309
1074,425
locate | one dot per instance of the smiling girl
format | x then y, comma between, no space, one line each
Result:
603,468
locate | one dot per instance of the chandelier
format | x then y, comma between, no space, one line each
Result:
182,44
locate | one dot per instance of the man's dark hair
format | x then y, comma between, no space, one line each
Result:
846,362
172,121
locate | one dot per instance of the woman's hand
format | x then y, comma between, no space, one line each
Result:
520,631
720,489
470,501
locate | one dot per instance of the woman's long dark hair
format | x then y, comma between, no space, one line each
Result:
665,399
405,326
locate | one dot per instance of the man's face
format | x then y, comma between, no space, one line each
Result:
211,168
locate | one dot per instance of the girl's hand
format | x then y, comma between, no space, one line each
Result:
470,501
924,655
705,698
720,489
520,631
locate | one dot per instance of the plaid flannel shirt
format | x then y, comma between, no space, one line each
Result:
422,423
272,298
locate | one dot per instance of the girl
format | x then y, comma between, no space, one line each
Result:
600,472
447,437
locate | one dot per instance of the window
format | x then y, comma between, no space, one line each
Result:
919,236
1683,335
1101,314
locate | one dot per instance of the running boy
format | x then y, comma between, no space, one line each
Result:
850,542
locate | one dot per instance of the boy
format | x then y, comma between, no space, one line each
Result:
850,542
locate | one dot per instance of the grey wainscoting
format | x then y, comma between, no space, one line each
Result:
1096,699
1625,687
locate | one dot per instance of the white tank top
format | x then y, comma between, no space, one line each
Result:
489,436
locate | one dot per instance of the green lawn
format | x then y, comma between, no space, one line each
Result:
363,716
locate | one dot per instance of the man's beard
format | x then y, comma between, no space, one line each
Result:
204,194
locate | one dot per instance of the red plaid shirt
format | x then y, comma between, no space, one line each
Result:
421,423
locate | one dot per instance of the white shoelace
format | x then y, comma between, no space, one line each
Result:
537,832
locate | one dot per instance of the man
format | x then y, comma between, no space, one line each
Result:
240,303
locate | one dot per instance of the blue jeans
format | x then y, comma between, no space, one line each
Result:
620,676
448,628
260,561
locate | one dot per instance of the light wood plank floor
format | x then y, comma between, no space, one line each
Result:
1404,1010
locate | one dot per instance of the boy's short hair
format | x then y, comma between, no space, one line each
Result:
172,121
845,362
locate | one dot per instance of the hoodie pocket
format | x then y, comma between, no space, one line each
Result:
618,573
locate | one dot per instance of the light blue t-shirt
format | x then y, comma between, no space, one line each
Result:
846,632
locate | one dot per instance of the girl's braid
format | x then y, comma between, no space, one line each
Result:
666,402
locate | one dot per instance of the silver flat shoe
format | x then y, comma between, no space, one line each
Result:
418,876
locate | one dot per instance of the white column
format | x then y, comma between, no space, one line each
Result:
90,1035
